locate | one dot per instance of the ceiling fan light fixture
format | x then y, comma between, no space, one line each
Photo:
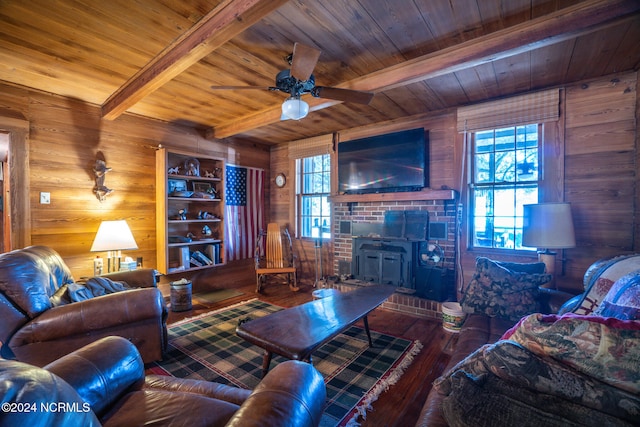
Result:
294,108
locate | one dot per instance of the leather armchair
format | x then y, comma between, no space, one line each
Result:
104,384
40,322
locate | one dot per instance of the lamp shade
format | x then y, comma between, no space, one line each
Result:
294,108
113,236
548,226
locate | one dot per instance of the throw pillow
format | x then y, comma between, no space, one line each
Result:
605,348
600,279
622,312
623,299
523,267
497,291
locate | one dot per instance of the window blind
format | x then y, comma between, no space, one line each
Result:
537,107
310,147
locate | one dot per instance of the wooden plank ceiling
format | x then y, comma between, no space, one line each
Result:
158,58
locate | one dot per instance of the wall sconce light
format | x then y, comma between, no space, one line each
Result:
100,169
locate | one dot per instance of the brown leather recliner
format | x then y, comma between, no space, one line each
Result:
40,323
104,384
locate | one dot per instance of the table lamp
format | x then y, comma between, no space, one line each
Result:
113,237
548,226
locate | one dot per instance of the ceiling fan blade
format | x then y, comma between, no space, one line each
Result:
243,87
303,61
346,95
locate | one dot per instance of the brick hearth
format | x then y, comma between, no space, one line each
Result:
403,303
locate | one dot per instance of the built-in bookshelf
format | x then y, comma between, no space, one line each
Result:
190,211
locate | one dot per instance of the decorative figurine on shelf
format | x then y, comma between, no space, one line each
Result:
182,215
212,191
192,167
100,169
206,215
208,174
206,231
174,171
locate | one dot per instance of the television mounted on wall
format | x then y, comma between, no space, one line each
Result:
392,162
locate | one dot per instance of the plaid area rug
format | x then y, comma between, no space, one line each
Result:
207,348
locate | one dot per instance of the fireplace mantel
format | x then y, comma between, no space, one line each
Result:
427,194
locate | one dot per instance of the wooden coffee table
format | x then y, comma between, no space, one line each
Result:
295,333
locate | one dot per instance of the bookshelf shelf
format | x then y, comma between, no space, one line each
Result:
194,243
189,206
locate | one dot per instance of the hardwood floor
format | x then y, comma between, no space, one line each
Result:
401,404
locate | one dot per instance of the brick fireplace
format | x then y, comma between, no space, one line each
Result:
362,213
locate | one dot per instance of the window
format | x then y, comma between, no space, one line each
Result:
313,182
505,174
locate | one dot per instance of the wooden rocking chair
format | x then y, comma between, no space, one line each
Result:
274,255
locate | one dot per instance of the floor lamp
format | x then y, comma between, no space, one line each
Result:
548,226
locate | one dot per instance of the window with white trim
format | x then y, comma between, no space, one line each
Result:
504,147
505,174
313,186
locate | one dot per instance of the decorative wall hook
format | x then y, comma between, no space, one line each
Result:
100,169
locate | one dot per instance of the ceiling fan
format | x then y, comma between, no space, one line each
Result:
299,80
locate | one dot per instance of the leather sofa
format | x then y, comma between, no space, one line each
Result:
495,379
104,383
43,318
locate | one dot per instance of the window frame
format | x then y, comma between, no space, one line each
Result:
495,184
300,195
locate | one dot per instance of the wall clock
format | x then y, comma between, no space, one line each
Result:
281,180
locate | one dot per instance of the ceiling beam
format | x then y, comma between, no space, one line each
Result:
565,24
580,19
225,21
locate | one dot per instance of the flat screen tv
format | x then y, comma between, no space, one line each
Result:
384,163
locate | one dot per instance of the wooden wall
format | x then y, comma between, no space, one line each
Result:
591,155
65,136
597,134
442,137
601,168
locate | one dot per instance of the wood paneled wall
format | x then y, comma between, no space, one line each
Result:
592,156
597,132
594,167
442,154
65,137
601,168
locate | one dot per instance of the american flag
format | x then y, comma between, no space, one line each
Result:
244,197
